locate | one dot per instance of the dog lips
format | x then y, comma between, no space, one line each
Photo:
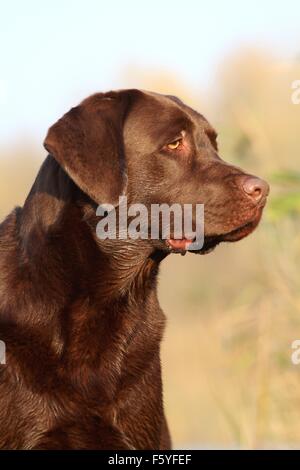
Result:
179,244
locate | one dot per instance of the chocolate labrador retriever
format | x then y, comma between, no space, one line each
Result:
79,315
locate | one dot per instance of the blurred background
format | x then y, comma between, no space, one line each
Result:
228,376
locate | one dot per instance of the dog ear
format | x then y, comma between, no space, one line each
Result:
88,143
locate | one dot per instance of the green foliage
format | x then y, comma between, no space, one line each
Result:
286,177
287,202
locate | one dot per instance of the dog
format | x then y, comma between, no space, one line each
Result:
79,315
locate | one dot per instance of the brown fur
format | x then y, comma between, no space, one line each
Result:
79,316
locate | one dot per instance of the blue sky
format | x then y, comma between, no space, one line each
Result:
55,53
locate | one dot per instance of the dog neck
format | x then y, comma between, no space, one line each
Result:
84,277
59,219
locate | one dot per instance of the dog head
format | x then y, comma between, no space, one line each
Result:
156,150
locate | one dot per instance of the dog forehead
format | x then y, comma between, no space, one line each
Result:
156,115
150,104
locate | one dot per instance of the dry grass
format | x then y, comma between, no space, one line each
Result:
229,377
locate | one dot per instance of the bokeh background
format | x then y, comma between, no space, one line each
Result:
229,380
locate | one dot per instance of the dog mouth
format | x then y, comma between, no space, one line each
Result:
211,241
182,246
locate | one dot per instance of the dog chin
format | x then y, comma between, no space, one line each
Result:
210,242
234,235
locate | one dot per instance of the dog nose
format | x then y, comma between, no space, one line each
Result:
255,188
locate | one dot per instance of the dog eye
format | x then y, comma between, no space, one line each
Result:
175,145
